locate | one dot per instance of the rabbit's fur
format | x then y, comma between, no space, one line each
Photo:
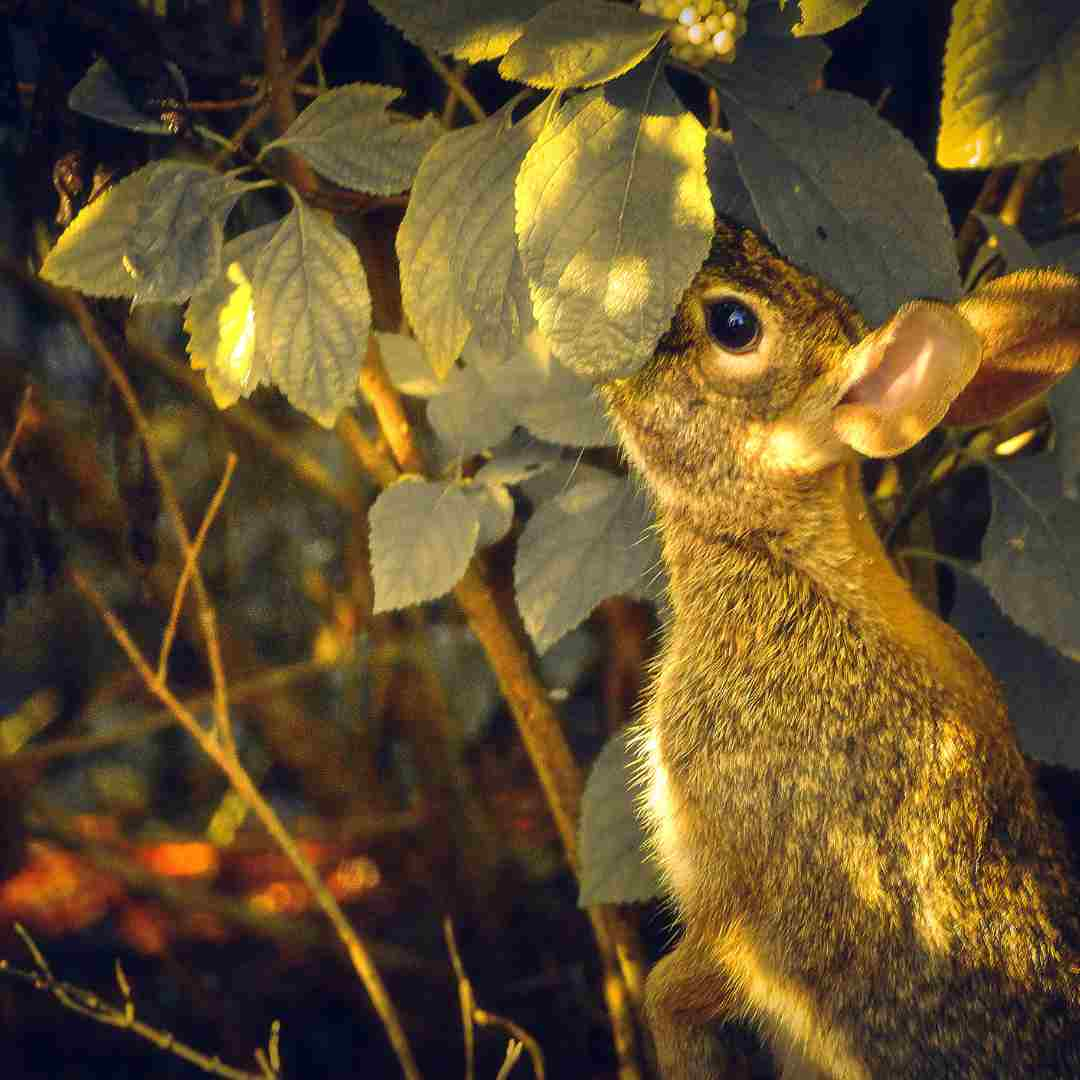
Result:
844,821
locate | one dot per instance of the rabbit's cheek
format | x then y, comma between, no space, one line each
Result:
801,448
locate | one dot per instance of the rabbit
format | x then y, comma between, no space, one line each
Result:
843,820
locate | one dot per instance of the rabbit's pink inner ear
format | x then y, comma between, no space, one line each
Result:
902,378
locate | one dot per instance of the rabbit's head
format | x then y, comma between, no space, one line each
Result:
768,379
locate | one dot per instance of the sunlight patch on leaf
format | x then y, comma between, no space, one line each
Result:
472,30
349,137
484,263
408,366
221,323
613,220
1012,82
312,313
821,16
581,43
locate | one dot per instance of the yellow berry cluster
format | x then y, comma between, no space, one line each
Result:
704,30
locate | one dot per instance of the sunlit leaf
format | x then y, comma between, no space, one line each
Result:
408,366
312,313
423,535
221,323
174,247
470,29
1012,82
89,255
821,16
156,235
349,136
427,238
844,195
581,43
485,267
516,463
613,221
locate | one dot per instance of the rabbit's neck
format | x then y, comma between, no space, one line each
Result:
814,600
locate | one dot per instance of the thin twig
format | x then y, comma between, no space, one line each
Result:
456,85
242,417
466,998
250,689
189,564
227,761
207,619
511,659
471,1013
518,1033
87,1003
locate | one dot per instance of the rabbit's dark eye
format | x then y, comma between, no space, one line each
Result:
733,325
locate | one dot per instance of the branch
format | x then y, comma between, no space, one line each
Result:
223,756
88,1004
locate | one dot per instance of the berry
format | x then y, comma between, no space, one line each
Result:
702,31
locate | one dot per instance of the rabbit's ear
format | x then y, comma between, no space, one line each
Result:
901,379
1029,324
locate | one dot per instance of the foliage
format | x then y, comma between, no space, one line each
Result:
542,250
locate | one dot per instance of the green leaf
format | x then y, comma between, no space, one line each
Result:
312,312
468,416
1012,82
100,94
615,868
89,255
581,43
472,30
578,549
542,395
730,196
484,263
519,463
845,196
613,221
771,65
154,236
174,248
423,535
220,322
426,240
1041,687
1031,551
349,137
494,510
821,16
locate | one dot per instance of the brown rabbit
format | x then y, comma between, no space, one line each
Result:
843,818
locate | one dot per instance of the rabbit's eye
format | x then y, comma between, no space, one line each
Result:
733,325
